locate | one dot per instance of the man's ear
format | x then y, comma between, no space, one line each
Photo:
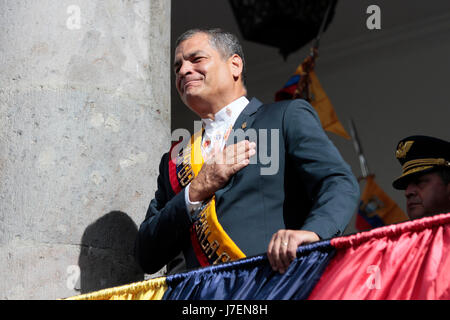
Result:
448,197
448,192
236,65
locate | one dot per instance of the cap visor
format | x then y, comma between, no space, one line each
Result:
401,183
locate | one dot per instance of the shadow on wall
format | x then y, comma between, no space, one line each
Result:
106,256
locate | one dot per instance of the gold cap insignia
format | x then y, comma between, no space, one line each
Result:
403,149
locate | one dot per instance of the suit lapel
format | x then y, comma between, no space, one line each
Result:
246,118
244,121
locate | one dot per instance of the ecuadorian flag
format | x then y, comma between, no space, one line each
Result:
316,97
376,208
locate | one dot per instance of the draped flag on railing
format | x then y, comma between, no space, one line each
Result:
304,84
247,279
408,260
376,208
405,261
253,278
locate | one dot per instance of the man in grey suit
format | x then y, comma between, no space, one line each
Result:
231,205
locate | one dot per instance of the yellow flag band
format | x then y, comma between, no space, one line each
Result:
152,289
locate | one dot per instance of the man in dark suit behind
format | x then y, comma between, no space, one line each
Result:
235,205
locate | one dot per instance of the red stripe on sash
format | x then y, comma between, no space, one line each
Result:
176,187
173,171
201,257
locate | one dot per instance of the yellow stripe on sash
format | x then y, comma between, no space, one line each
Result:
218,240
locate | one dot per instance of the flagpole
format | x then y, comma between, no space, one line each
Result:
357,145
309,63
322,26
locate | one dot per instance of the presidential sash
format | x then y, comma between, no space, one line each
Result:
209,240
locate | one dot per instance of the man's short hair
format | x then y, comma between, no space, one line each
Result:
224,42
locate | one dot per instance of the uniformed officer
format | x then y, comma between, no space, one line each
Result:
425,175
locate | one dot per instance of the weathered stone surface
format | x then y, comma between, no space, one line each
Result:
84,119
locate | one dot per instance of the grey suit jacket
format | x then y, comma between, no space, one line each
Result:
298,180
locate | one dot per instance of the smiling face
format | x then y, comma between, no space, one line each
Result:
427,195
205,80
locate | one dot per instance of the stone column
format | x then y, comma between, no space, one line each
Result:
84,119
